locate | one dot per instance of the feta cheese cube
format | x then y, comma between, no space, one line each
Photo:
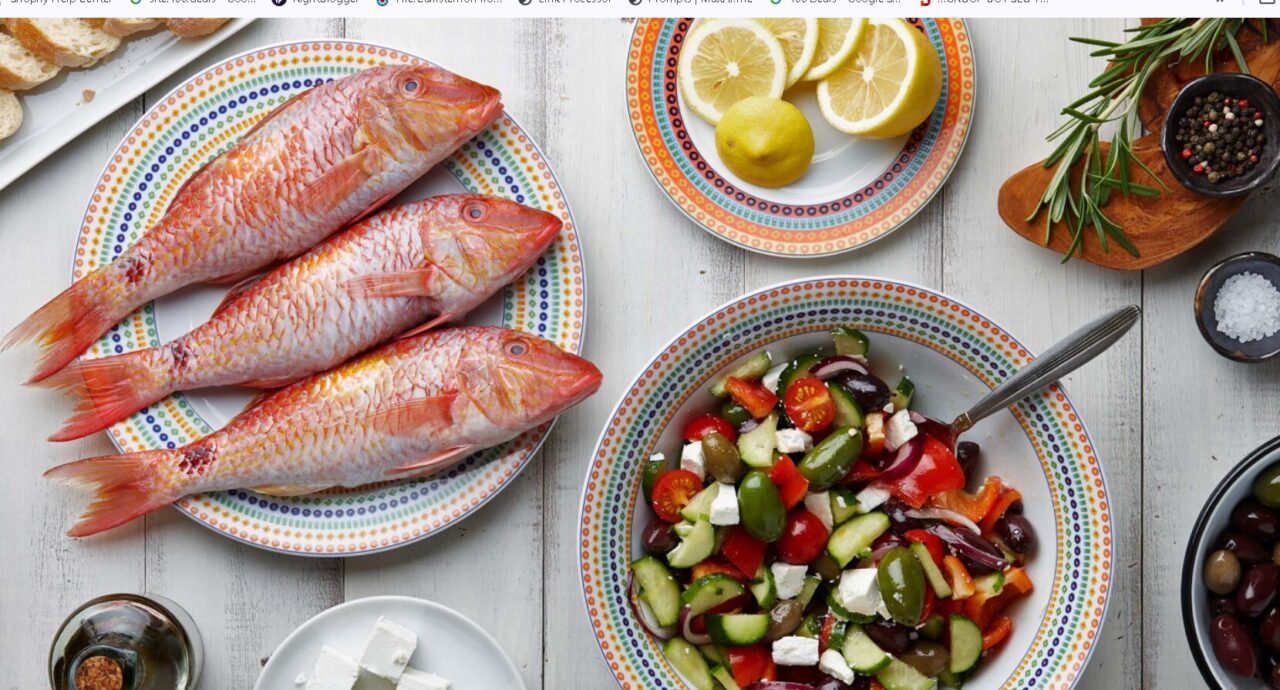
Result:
833,664
771,378
796,651
788,579
820,505
388,650
333,671
693,460
660,457
858,591
888,408
883,611
724,507
899,430
793,441
413,679
871,498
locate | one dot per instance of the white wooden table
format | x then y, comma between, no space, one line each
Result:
1169,416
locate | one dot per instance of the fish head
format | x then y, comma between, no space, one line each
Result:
425,108
485,242
518,381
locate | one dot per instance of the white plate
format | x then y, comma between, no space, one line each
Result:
449,644
56,112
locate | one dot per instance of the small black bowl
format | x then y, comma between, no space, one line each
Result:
1258,93
1261,263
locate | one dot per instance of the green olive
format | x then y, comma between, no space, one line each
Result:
929,658
829,461
723,461
734,413
760,507
901,580
1267,487
1222,572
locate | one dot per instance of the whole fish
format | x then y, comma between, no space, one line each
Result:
408,409
317,163
439,257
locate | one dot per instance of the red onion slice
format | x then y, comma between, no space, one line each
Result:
688,633
947,516
905,461
647,617
839,364
972,547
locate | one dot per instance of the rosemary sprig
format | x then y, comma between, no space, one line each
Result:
1114,97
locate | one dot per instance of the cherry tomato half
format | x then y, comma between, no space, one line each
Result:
809,404
673,492
803,539
701,427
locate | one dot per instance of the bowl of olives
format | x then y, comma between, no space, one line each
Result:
1231,577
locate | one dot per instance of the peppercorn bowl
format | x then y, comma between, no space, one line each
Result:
1217,529
1184,162
1258,263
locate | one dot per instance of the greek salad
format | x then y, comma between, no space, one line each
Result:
817,533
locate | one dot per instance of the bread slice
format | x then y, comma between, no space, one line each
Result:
10,113
195,27
20,68
119,26
65,42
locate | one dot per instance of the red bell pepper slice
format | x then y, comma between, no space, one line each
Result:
744,551
751,664
973,506
861,473
712,566
936,472
753,396
932,543
997,632
958,576
982,608
1006,501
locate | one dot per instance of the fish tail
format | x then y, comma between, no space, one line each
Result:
121,486
66,325
106,390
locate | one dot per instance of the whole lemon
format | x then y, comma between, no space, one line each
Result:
765,141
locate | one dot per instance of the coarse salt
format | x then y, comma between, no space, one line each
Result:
1247,308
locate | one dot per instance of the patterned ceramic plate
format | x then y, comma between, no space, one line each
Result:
202,118
856,191
954,355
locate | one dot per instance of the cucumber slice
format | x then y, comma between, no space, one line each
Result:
688,661
834,605
654,468
756,446
899,676
853,539
903,394
700,507
966,644
711,591
811,626
988,585
861,652
725,678
850,341
763,588
798,368
844,505
752,369
839,630
848,411
696,544
932,627
931,572
810,588
658,589
737,629
951,680
713,655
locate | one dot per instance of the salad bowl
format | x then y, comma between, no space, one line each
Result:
954,355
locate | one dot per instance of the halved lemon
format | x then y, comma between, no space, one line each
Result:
726,60
837,39
888,87
799,39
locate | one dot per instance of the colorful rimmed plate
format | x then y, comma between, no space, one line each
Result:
190,126
856,191
954,355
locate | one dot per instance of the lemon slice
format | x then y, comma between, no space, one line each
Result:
837,39
726,60
888,87
799,39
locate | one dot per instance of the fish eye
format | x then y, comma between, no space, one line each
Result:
474,211
516,348
411,85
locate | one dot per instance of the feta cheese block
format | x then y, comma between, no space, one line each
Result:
899,430
693,460
858,592
413,679
795,651
794,441
388,650
724,508
333,671
771,378
788,579
820,505
833,664
871,498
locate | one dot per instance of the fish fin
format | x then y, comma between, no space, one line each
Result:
236,290
412,283
411,414
433,463
119,483
441,319
340,181
373,208
285,490
66,325
106,390
270,385
274,112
